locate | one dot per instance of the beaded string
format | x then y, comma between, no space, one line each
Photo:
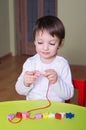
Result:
39,108
11,121
49,103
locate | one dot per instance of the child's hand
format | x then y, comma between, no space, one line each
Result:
30,77
51,75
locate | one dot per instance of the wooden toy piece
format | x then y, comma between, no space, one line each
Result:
62,114
69,115
25,115
37,73
58,116
51,115
10,116
18,115
38,116
45,115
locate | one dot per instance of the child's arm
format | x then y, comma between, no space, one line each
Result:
64,87
61,84
22,82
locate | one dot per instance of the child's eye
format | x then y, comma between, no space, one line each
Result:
53,44
40,43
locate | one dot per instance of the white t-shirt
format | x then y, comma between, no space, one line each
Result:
60,91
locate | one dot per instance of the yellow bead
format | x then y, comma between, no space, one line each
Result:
45,115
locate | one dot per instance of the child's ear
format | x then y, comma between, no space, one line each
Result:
62,43
34,42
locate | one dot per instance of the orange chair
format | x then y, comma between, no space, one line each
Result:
80,85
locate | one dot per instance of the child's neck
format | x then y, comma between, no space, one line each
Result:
46,60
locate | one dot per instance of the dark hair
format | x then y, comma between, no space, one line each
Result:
52,24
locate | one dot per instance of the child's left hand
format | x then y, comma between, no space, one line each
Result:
51,75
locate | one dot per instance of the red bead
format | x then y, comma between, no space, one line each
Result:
58,116
18,115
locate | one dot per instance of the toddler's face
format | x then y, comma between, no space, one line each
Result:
46,46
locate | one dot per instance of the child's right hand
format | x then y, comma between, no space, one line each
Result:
29,78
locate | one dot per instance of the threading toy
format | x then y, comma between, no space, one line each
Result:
24,115
49,103
19,114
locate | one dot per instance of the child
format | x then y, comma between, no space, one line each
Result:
46,66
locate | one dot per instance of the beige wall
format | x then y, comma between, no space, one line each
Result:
7,27
71,12
4,28
12,26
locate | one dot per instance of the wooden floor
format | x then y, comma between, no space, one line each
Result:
11,67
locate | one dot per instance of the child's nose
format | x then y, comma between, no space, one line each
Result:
46,47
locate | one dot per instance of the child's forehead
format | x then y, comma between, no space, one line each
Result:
42,32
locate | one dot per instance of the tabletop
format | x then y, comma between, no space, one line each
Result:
52,123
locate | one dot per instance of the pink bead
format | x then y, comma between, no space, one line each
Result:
25,115
37,73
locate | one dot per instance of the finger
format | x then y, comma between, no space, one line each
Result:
29,73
